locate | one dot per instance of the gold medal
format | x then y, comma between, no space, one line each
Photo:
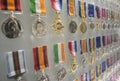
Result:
91,59
57,25
83,27
97,26
76,79
74,65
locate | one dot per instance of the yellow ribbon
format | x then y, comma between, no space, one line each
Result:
63,52
11,4
42,7
71,7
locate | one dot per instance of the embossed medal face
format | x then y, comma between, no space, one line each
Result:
83,27
61,74
109,26
104,26
73,27
74,65
39,28
42,77
92,25
12,28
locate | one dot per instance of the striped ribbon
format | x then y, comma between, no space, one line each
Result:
103,13
108,63
98,70
56,5
104,40
16,63
59,53
82,9
37,6
10,5
90,10
84,77
72,45
98,42
71,7
91,44
103,66
83,45
97,8
92,75
40,54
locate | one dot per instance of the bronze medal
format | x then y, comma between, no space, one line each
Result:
83,27
12,28
39,28
104,26
109,26
73,27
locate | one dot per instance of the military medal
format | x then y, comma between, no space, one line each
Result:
104,26
72,45
71,12
37,7
76,79
40,56
97,26
82,14
92,25
83,27
11,27
57,25
59,59
83,46
73,26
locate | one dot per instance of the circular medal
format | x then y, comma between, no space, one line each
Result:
39,28
72,26
92,26
61,74
12,28
42,77
83,27
104,26
83,62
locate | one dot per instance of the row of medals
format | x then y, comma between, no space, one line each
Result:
12,27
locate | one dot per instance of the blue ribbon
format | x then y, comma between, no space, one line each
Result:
98,42
90,10
103,66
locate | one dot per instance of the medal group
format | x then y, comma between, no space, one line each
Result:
98,46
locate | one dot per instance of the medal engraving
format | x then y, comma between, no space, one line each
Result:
83,27
73,27
74,65
61,74
92,26
12,28
39,28
57,26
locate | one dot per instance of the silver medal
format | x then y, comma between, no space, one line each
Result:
39,28
92,25
12,27
61,74
42,76
73,27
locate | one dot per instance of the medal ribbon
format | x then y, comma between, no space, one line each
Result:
91,45
59,53
83,45
10,5
90,10
92,74
72,45
71,7
98,70
103,66
40,58
104,42
16,63
56,5
98,42
103,13
98,12
37,6
82,9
